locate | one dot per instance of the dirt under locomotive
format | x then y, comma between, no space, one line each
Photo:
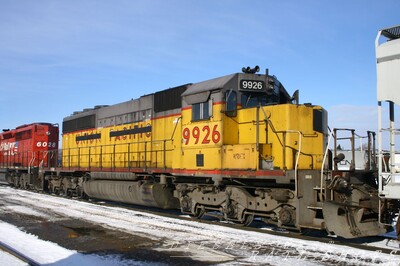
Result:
239,145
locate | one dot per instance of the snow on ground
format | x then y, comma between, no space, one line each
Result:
9,260
199,241
44,252
25,210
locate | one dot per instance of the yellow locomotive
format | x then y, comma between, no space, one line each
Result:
238,145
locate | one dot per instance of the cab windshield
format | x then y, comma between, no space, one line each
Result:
256,99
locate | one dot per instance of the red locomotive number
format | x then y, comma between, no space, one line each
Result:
216,136
196,134
186,135
204,136
206,139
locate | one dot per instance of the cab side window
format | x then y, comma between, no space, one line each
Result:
231,103
201,111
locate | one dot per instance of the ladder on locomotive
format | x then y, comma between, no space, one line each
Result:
387,46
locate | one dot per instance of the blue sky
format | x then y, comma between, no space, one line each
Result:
57,57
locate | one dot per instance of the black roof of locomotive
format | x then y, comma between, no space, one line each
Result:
219,83
209,85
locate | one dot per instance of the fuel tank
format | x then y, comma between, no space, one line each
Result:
134,192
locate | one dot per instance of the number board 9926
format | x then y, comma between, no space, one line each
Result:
200,135
252,85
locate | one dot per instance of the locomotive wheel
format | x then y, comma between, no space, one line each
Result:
198,213
249,218
61,191
79,191
17,183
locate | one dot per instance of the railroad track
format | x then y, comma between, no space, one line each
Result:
18,254
256,226
261,227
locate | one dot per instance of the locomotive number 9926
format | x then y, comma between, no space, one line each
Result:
252,85
204,135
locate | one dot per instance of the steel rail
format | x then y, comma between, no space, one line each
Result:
19,255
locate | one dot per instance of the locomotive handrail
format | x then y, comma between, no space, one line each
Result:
44,156
258,127
323,163
352,140
176,125
113,153
297,158
31,162
333,133
284,145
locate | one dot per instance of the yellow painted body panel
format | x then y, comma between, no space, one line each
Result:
201,137
281,131
241,156
140,150
256,138
279,127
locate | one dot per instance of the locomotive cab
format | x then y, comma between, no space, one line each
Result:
249,121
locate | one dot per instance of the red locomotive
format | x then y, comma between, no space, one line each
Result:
29,146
